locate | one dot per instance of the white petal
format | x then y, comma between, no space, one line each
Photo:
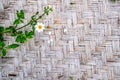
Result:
43,27
42,24
40,30
38,23
36,26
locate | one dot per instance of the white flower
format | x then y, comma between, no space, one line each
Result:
39,27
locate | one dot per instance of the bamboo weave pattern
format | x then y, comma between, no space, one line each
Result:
84,41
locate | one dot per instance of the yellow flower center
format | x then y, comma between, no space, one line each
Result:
39,26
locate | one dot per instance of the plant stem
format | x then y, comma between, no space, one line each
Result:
26,24
41,16
5,31
30,22
23,26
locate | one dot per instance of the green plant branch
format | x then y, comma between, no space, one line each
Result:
23,26
40,16
31,22
20,36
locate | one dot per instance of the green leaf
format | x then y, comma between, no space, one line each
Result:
13,34
2,44
7,29
40,17
33,17
33,23
1,37
51,9
29,34
17,21
20,14
21,38
47,13
33,28
47,10
12,30
21,21
13,46
1,29
4,51
19,32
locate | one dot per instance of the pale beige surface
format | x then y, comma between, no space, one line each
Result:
84,42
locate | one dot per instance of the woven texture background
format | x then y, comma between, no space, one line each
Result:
83,43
